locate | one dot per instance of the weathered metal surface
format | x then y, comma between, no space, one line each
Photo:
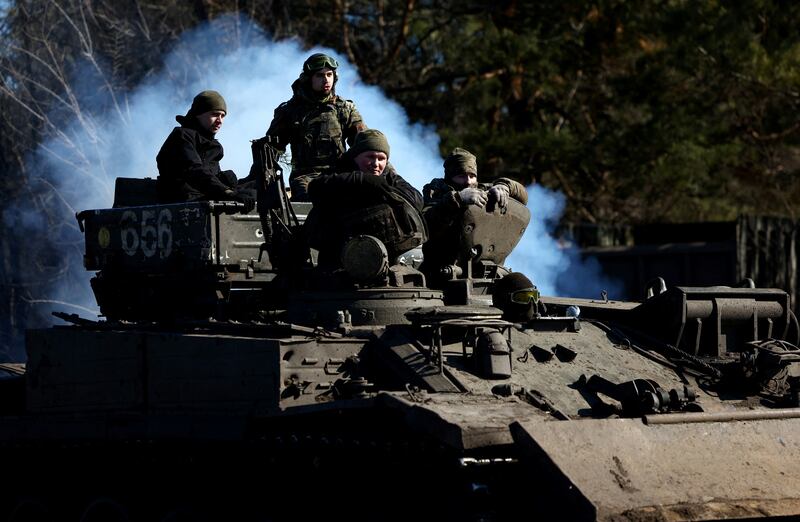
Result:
723,416
559,380
400,354
150,238
170,238
367,306
135,192
211,352
75,370
479,235
622,469
463,422
715,320
238,239
310,368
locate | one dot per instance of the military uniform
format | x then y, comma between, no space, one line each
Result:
188,162
350,202
442,211
316,128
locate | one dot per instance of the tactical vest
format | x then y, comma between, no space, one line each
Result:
398,225
317,136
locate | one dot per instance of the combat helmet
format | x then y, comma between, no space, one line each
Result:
317,62
516,296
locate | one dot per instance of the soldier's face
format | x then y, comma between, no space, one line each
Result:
464,180
372,162
211,120
322,80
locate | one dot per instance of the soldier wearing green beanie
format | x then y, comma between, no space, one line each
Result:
207,101
460,161
369,140
188,162
445,200
315,122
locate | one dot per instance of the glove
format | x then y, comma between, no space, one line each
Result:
228,177
499,193
247,198
472,196
376,182
372,188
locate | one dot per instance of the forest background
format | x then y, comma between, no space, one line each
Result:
637,111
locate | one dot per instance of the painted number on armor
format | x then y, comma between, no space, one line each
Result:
147,233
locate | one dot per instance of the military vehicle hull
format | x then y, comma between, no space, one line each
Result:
223,419
277,390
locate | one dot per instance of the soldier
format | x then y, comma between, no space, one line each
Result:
517,297
188,162
365,196
315,122
445,200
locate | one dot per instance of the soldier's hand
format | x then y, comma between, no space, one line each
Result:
473,196
228,177
247,198
499,193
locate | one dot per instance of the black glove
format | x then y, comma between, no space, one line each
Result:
377,182
246,197
228,177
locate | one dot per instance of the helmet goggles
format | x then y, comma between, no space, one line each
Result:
525,296
317,62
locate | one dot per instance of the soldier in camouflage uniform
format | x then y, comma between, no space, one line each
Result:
445,201
315,122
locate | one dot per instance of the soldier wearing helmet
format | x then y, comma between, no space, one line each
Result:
315,122
517,297
445,201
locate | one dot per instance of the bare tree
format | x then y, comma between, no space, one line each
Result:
63,65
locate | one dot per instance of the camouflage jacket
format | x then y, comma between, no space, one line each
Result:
188,165
316,130
442,208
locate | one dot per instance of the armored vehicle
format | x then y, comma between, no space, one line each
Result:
230,380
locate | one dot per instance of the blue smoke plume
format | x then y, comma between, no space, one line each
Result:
555,266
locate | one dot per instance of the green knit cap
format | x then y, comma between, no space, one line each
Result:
369,139
208,101
460,161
